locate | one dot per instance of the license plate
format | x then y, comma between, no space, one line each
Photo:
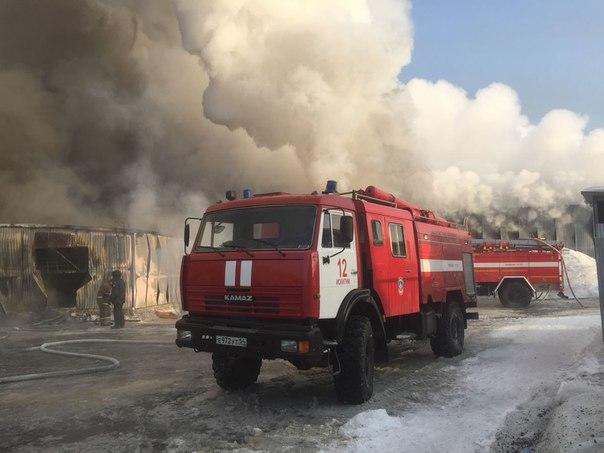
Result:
231,341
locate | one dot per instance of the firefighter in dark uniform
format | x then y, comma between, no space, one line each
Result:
103,300
118,297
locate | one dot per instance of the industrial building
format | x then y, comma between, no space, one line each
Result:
64,266
574,228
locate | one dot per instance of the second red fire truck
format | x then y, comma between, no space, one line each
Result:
322,280
516,271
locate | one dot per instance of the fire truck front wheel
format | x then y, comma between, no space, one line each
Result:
449,338
515,294
234,372
354,382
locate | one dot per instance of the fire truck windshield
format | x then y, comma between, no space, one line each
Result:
257,228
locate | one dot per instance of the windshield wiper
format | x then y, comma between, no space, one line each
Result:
274,246
214,249
217,250
238,247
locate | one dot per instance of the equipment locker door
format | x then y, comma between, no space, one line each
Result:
403,269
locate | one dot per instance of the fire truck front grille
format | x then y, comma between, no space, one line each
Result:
259,305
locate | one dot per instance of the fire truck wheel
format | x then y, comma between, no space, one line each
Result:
354,383
449,338
515,294
234,372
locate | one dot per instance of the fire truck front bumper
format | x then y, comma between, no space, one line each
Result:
269,340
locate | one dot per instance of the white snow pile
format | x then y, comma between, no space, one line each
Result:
582,273
371,423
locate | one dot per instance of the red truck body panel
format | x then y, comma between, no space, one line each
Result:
441,252
279,286
433,265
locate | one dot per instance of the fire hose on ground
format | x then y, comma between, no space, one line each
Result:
559,252
112,362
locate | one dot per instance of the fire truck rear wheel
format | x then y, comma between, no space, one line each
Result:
354,383
515,294
234,372
449,338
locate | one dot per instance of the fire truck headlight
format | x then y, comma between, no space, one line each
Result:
183,335
289,346
303,346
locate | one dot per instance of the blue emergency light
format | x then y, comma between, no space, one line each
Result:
247,193
331,186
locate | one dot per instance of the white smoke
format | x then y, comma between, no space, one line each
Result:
483,155
318,77
141,112
322,77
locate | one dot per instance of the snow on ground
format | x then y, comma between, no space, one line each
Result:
577,421
582,272
567,416
533,353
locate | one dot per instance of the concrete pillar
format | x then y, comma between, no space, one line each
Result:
595,197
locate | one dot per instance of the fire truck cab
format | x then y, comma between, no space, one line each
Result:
322,280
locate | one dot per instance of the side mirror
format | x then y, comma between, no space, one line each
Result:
346,228
187,234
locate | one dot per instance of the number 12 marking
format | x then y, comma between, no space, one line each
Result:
342,266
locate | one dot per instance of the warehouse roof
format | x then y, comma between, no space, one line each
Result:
591,192
79,227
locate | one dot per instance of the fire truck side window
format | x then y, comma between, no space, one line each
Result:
376,228
397,240
332,235
338,240
326,240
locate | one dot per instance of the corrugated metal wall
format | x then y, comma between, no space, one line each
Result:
150,264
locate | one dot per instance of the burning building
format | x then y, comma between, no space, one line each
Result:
573,229
64,266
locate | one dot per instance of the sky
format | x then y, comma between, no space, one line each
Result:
550,51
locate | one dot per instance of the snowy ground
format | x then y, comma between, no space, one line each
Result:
531,355
527,377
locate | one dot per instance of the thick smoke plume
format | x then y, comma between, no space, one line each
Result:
136,113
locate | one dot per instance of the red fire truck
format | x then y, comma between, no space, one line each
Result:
322,280
516,271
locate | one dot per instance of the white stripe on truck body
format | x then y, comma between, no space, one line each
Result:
431,265
507,264
230,268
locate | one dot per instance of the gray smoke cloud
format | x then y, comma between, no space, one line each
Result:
137,113
102,122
